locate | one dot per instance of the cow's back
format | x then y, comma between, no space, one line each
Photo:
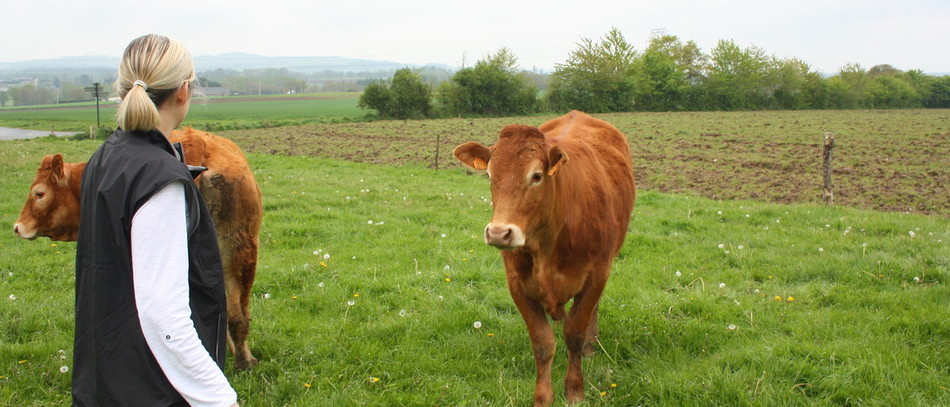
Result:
601,183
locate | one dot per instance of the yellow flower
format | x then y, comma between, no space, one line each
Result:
790,298
21,362
323,264
603,393
307,385
448,280
373,379
613,385
778,298
293,297
357,295
491,334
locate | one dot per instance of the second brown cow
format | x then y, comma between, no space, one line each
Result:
229,190
562,195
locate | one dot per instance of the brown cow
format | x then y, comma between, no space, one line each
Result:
229,189
562,195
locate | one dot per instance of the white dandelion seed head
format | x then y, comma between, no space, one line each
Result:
912,234
266,296
402,313
441,298
722,246
370,222
740,247
821,249
446,267
320,285
718,212
443,235
317,252
732,327
477,324
12,297
678,273
63,369
351,303
722,285
864,244
326,256
916,279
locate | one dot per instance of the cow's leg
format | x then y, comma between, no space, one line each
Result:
542,343
577,327
593,332
539,329
240,265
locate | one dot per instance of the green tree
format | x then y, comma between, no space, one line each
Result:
737,77
405,96
666,75
939,95
493,87
597,77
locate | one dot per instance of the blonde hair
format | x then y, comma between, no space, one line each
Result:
152,68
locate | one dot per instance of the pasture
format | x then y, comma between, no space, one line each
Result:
214,114
373,274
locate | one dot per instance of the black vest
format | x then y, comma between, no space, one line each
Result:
113,365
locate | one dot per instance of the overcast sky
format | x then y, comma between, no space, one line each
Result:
827,34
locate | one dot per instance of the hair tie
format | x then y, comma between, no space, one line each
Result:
140,83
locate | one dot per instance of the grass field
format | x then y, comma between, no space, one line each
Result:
372,276
215,114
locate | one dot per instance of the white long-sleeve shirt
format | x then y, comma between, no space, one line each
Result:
160,278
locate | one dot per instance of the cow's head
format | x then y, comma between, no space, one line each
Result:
52,208
521,166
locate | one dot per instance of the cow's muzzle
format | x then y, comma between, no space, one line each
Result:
504,236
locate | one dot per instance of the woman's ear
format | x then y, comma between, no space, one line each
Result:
183,93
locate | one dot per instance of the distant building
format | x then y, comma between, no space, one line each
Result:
216,91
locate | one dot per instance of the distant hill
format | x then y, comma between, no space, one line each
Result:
234,60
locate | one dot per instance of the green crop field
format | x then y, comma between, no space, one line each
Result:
206,113
373,273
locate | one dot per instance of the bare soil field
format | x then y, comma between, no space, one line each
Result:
895,160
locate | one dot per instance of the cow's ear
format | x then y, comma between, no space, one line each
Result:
556,158
473,155
56,169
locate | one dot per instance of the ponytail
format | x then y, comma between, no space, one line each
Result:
152,68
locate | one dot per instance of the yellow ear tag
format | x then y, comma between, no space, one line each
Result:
479,164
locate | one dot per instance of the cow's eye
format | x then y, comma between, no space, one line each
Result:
536,177
39,194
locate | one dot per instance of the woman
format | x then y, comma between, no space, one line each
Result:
150,306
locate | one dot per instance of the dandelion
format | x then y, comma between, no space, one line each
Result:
912,234
718,212
293,297
446,268
12,297
732,327
821,250
373,379
613,385
603,393
403,313
790,298
20,362
443,235
448,280
370,222
778,298
357,295
307,385
916,279
63,369
266,296
323,264
722,245
320,285
441,298
351,303
326,256
477,324
490,335
678,273
740,247
722,285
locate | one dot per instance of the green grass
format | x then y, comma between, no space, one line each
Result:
214,114
710,303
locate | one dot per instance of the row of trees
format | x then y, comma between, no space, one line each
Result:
609,75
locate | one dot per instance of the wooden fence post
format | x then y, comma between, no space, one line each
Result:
828,192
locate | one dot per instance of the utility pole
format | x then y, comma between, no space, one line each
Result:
97,91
